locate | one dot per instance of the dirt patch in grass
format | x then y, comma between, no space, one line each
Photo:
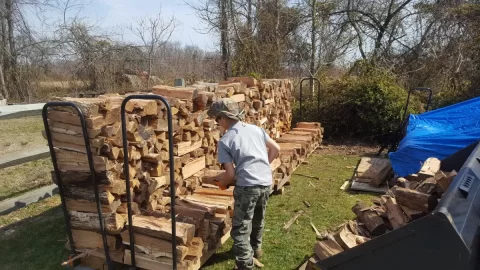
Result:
24,177
355,148
19,134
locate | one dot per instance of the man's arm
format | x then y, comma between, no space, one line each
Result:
274,148
229,175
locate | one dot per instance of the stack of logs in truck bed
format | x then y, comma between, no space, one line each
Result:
203,211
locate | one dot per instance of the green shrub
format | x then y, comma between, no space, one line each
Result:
368,105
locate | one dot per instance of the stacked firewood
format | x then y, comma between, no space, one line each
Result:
202,220
203,211
409,199
295,147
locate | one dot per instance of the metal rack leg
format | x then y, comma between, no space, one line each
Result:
92,173
127,175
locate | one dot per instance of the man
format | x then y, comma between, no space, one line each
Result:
245,147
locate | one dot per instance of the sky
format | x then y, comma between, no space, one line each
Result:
110,14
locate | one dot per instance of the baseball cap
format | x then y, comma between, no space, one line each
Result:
226,107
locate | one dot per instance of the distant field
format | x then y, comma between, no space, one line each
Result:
61,84
19,134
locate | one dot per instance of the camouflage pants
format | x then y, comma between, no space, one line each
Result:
247,223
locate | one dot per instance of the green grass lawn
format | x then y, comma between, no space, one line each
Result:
24,177
38,242
22,133
33,237
330,207
17,135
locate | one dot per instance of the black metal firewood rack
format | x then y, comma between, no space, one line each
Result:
95,182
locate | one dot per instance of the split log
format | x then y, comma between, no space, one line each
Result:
193,167
91,207
215,192
327,248
184,148
70,177
428,186
162,228
395,214
375,169
154,247
188,93
429,168
92,240
345,238
87,194
415,200
370,218
113,222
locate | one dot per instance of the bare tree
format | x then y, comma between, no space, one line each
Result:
216,14
379,25
154,33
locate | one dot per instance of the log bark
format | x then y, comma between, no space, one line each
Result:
87,194
345,238
415,200
154,247
395,213
370,218
114,223
92,240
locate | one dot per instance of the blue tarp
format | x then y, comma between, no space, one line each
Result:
437,133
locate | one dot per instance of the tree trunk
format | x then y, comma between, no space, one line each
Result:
149,69
3,88
224,37
3,53
314,45
12,58
249,17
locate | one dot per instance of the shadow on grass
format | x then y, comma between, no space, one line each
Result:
21,192
220,257
36,242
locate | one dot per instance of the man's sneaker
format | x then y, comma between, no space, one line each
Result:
258,253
